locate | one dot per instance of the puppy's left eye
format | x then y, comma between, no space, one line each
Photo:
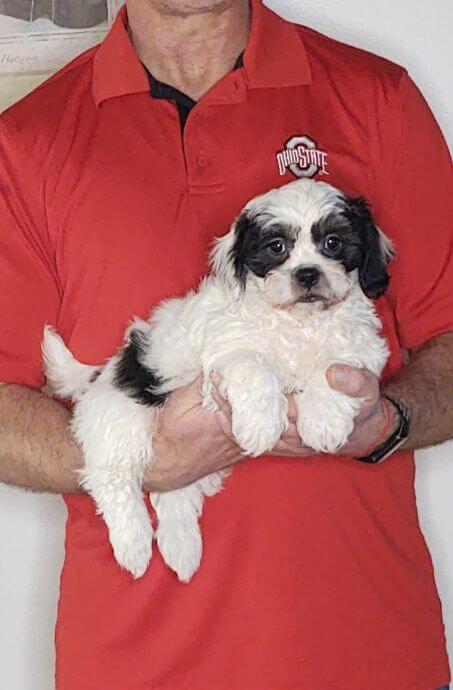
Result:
277,247
333,244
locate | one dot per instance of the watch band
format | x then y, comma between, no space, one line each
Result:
390,445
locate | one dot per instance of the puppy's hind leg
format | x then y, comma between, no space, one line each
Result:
115,434
178,532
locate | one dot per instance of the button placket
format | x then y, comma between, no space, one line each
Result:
202,160
201,141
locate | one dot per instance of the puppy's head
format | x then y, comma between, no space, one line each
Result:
304,243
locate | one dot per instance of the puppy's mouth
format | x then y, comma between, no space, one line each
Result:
310,297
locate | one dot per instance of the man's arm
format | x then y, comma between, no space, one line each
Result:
37,450
425,386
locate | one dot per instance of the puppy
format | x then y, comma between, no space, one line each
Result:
288,296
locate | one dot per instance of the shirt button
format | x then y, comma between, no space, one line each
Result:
202,160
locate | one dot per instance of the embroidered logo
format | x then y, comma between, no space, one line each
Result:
303,158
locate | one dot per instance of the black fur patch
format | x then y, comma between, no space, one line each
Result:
361,244
95,375
251,250
350,254
133,377
373,274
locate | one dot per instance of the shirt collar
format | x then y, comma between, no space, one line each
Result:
117,71
274,56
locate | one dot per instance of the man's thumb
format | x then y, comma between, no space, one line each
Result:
348,380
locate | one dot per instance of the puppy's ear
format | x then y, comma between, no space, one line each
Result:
377,249
228,255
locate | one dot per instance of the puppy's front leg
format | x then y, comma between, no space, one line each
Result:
259,407
325,416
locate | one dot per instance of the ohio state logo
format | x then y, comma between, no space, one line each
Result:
302,157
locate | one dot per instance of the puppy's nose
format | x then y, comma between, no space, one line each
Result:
308,276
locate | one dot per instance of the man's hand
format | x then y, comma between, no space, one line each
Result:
372,425
190,443
291,444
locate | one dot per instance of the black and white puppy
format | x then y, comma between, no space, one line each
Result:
289,295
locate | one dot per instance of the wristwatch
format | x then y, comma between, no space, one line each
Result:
394,441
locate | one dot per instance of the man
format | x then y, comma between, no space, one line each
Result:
315,573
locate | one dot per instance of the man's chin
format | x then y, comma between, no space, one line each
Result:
188,7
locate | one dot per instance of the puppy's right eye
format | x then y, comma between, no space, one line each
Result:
277,247
332,244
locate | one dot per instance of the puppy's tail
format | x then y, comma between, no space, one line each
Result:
67,377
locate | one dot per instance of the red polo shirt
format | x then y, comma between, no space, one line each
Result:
315,573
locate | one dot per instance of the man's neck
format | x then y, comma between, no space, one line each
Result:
191,52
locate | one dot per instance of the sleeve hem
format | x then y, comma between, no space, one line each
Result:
412,340
21,375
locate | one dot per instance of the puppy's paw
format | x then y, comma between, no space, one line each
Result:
181,547
258,434
326,420
259,411
131,541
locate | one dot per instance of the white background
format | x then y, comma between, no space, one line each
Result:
410,32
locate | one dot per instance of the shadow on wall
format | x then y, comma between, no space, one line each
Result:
69,14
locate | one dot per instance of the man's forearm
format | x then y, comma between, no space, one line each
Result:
425,386
37,450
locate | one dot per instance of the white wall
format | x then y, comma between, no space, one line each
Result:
410,32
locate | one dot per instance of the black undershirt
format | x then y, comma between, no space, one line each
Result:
183,102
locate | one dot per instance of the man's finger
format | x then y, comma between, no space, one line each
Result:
225,424
292,409
222,402
358,383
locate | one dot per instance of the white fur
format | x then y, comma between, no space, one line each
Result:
262,351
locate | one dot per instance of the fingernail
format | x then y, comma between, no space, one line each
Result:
346,377
339,374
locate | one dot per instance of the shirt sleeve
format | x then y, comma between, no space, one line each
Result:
416,210
29,294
